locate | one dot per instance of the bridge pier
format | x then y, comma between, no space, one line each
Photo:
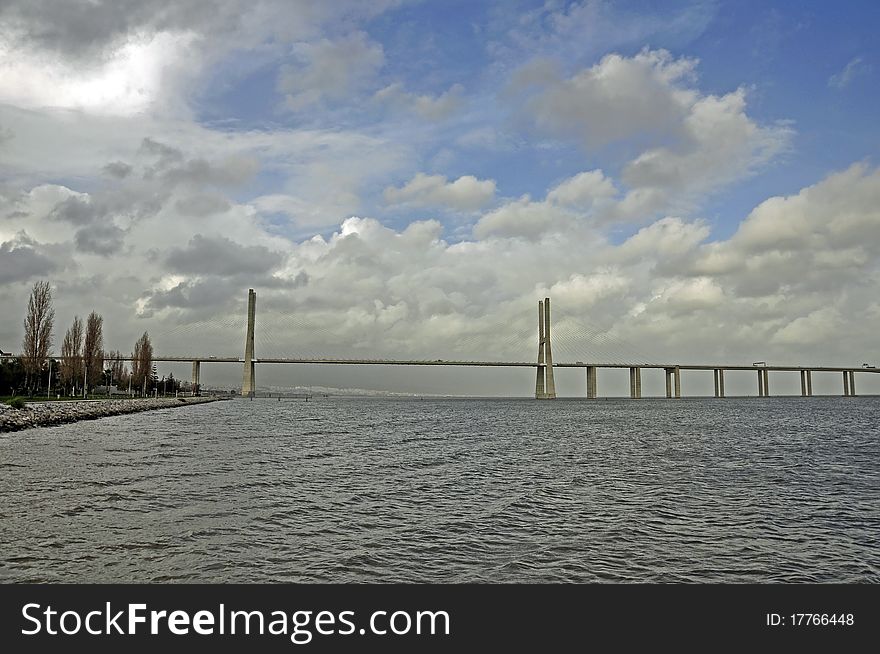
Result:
719,382
592,383
852,383
845,383
635,383
803,383
809,383
196,374
545,387
763,382
673,381
248,382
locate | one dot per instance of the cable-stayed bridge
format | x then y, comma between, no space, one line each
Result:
614,353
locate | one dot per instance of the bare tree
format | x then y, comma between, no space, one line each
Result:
118,371
93,350
142,360
38,324
71,354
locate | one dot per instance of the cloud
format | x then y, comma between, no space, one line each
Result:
329,70
22,259
118,169
202,205
466,193
689,144
618,98
129,80
820,240
430,107
582,190
102,239
207,255
719,144
855,68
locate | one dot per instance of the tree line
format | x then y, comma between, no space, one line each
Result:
83,364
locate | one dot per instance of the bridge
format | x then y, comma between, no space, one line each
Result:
545,387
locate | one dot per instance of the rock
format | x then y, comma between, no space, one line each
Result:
42,414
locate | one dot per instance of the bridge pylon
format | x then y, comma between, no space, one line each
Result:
545,387
249,381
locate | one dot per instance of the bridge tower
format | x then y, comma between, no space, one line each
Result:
249,382
545,388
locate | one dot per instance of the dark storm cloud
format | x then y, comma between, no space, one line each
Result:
194,295
76,211
206,255
21,260
171,167
104,239
86,28
118,169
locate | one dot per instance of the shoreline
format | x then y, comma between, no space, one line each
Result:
47,414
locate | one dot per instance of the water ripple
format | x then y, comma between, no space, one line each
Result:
364,490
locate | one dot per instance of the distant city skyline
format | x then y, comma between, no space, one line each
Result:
408,178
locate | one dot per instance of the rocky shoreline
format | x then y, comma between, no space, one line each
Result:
44,414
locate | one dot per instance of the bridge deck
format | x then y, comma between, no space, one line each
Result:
511,364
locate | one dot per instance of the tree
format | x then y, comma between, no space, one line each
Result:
141,361
38,324
93,350
71,355
118,371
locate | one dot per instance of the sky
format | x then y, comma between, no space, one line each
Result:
689,181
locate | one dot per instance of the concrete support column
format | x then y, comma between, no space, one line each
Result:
766,382
545,387
852,383
539,382
721,381
248,381
635,383
677,376
195,377
592,385
717,383
549,384
845,383
809,383
803,383
760,383
667,372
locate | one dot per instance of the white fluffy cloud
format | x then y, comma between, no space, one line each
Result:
466,193
617,98
583,190
691,144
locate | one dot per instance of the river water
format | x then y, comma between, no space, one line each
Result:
383,490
